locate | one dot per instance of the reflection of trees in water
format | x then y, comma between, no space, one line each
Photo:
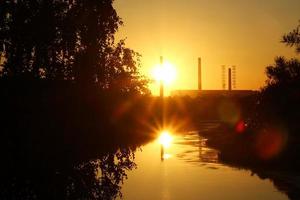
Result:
286,182
96,179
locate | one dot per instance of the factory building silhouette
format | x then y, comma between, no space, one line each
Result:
228,89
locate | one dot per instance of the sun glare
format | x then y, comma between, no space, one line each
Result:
165,139
165,73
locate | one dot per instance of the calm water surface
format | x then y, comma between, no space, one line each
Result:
185,168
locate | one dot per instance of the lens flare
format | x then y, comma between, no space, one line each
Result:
240,127
165,139
270,143
165,73
229,112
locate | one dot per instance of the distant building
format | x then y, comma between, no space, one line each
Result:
213,93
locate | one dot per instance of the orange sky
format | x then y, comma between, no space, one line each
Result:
222,32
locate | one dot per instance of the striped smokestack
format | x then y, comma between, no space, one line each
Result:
199,75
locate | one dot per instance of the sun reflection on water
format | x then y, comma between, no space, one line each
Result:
165,139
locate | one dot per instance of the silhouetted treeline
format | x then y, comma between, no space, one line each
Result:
278,103
271,137
69,100
67,40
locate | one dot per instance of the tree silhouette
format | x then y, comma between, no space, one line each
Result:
293,38
278,100
67,40
283,72
99,178
286,71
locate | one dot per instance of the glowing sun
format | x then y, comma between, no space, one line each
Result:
165,73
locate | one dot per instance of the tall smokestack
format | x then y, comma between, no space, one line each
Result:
229,79
199,75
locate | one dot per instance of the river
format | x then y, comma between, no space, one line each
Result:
183,167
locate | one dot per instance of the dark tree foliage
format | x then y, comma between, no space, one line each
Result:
293,38
62,78
283,72
278,102
99,178
273,123
279,98
67,40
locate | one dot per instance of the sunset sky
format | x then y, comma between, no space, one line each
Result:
222,32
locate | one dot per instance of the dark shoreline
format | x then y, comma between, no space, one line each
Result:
285,177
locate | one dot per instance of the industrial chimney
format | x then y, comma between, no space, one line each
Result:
229,79
199,75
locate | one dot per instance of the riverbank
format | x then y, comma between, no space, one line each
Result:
253,148
240,151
